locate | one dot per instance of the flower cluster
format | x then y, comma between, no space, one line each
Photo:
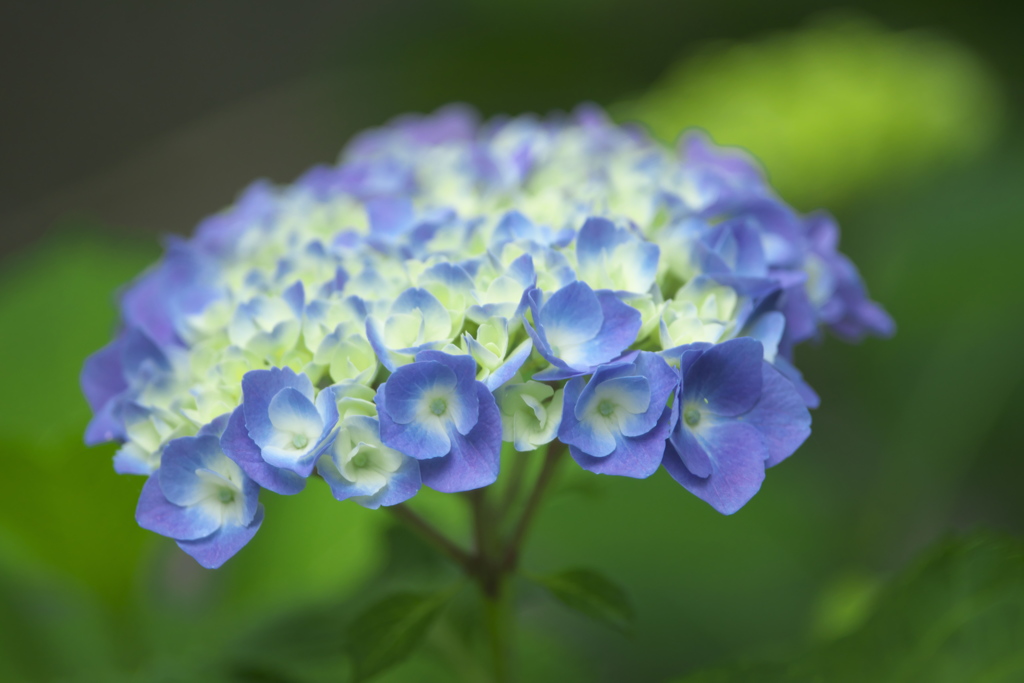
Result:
450,286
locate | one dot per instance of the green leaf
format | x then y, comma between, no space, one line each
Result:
958,615
389,630
592,595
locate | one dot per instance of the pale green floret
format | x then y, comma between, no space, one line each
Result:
354,399
699,314
353,359
531,413
492,344
360,457
650,308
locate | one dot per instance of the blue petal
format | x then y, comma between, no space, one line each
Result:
291,411
726,379
243,450
790,372
736,452
258,389
465,410
662,381
475,458
620,325
409,383
155,513
181,458
596,236
596,442
102,375
780,416
220,546
390,216
637,457
415,439
571,316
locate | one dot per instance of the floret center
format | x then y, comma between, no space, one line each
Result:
360,460
438,406
226,495
692,416
300,441
606,407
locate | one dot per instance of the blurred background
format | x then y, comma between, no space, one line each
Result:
122,122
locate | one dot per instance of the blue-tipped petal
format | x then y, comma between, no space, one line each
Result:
258,389
737,454
474,460
637,457
726,378
408,385
290,410
781,416
220,546
155,513
417,439
246,453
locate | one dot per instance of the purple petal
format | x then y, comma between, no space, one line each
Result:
726,379
737,455
243,450
637,457
414,439
220,546
474,459
781,416
155,513
258,389
408,384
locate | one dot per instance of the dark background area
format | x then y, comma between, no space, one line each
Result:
123,121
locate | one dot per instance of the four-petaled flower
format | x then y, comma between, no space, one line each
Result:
437,412
617,422
280,429
736,416
577,329
201,499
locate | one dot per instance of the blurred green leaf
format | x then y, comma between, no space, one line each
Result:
302,645
592,595
388,631
834,109
57,307
957,615
49,628
310,546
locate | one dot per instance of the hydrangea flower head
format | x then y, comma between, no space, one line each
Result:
388,322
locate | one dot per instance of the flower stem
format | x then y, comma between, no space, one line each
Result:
435,537
511,556
499,630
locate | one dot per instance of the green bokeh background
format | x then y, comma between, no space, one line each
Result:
904,120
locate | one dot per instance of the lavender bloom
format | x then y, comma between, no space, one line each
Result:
737,415
577,329
201,499
618,421
280,430
435,410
